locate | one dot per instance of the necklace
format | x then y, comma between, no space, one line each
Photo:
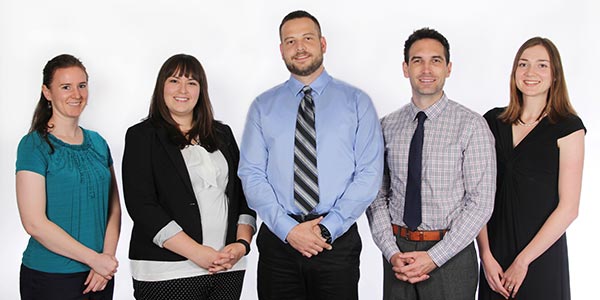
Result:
520,122
528,124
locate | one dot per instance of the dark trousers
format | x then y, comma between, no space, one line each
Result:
36,285
455,280
219,286
283,273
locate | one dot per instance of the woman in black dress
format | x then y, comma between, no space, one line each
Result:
540,149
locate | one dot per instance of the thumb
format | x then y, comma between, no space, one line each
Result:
316,221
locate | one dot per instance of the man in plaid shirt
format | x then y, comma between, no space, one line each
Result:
433,258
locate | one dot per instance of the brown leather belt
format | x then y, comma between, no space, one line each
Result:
418,235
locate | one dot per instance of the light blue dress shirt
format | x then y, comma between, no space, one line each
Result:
349,154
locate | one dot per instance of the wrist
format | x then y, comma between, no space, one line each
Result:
325,233
245,244
522,261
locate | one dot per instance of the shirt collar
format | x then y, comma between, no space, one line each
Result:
433,111
317,86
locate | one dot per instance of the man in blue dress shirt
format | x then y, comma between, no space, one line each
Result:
311,163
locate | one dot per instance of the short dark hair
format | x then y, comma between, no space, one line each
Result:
202,123
426,33
297,15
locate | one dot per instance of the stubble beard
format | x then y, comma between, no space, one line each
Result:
314,66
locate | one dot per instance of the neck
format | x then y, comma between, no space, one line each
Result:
533,108
308,79
185,123
68,127
425,101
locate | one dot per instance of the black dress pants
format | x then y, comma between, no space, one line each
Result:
283,273
35,285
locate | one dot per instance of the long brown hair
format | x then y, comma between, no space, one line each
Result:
202,115
558,105
43,109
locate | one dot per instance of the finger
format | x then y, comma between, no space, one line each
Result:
498,287
515,290
418,279
87,289
401,276
306,254
89,277
221,261
316,221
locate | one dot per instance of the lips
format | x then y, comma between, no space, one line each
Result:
301,56
181,99
426,80
531,82
74,103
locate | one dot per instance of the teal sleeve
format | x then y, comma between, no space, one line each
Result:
32,154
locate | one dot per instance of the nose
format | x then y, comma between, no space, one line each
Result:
300,46
183,87
77,94
426,67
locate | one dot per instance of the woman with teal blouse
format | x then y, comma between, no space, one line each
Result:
67,194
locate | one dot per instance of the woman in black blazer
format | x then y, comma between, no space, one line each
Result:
192,226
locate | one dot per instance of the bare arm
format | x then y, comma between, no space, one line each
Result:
569,190
31,200
94,281
113,227
492,269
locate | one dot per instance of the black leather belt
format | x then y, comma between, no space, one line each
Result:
304,218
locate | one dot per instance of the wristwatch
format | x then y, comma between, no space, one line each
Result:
325,233
246,245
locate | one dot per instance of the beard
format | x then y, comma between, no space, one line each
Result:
307,70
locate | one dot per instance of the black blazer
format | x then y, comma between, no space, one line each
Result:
158,189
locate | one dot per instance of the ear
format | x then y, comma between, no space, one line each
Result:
281,50
449,69
323,44
405,69
46,92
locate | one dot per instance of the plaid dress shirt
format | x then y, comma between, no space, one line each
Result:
458,179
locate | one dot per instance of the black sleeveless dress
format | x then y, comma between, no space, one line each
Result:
526,195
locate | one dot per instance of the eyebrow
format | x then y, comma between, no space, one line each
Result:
421,57
303,35
525,59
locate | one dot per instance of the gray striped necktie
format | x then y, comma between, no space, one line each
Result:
306,184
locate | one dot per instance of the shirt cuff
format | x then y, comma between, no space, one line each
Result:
247,220
438,255
167,232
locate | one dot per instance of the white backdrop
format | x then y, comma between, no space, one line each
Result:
123,43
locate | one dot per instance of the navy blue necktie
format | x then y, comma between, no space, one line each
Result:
412,199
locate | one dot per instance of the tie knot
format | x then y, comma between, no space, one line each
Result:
421,116
307,90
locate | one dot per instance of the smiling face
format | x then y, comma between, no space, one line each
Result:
427,70
302,47
533,75
68,92
181,95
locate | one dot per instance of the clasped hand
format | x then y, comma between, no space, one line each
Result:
412,267
216,261
306,238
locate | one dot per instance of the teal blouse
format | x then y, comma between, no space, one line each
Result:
77,194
